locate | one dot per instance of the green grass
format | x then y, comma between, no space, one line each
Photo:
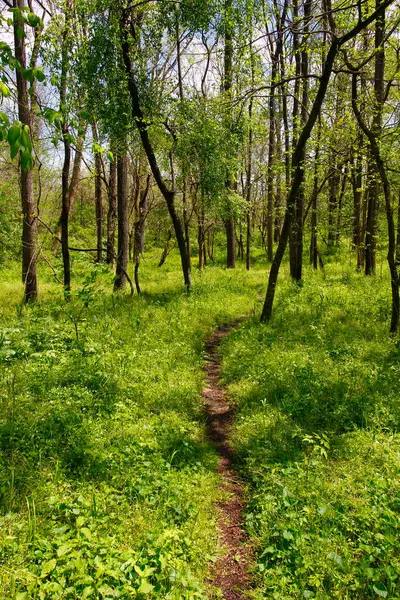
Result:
318,398
107,481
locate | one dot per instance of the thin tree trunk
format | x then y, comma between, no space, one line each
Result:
140,227
340,205
64,219
228,77
296,263
357,183
333,202
29,223
314,204
123,223
248,181
98,195
186,227
373,192
373,138
112,211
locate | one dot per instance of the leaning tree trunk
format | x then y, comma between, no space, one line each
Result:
142,126
29,223
298,162
123,223
373,136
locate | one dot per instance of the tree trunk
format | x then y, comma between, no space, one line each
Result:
373,192
142,125
332,203
98,196
296,263
123,222
340,205
112,211
64,219
357,183
314,204
293,238
228,77
140,227
298,163
29,223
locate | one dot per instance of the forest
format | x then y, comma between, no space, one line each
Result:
199,299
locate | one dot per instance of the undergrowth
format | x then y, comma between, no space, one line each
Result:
318,398
107,481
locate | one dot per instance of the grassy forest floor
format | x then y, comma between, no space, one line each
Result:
108,483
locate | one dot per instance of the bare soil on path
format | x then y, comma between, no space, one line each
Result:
231,573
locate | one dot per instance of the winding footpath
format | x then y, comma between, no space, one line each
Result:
231,573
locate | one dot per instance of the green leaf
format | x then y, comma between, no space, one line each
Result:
97,149
26,138
38,74
48,567
85,115
4,120
13,133
26,159
35,21
380,590
145,587
28,75
4,91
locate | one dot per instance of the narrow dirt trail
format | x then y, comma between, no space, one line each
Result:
231,572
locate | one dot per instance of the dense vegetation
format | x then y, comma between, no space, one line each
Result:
167,168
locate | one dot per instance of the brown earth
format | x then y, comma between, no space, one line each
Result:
231,573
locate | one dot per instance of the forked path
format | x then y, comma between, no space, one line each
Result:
231,572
